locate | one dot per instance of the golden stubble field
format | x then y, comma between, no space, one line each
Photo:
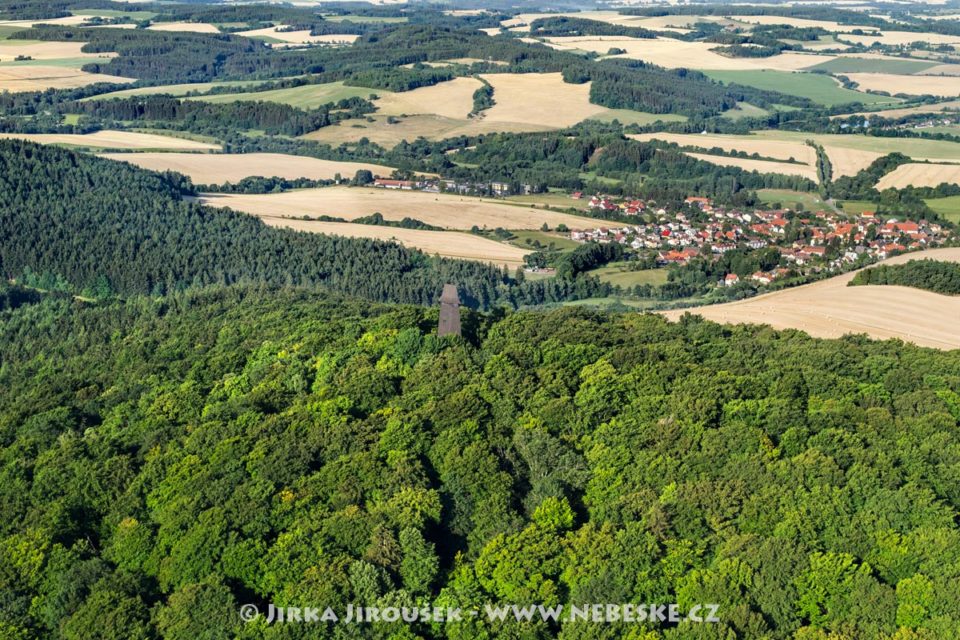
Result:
447,244
298,37
108,139
438,209
920,175
831,309
217,168
17,79
11,49
947,86
761,166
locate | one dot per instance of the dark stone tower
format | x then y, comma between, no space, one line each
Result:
449,311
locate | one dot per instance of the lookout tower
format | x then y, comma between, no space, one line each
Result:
449,311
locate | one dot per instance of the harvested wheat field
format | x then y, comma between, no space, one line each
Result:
875,146
17,79
946,86
831,309
297,37
953,105
217,168
849,162
447,244
897,38
521,22
674,54
778,149
65,21
826,25
192,27
450,99
539,98
920,175
115,140
10,49
761,166
437,209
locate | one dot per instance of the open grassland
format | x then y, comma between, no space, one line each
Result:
556,200
115,140
308,96
448,244
879,64
819,88
217,168
297,37
192,27
776,149
437,209
761,166
619,274
948,207
831,309
920,175
19,78
790,199
945,86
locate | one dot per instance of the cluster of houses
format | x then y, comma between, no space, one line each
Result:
442,185
825,240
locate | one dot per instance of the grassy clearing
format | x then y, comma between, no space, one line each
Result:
174,89
745,110
948,207
362,19
857,206
546,240
789,199
308,96
819,88
113,13
872,65
556,200
619,274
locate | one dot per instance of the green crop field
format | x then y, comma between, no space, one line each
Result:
789,199
71,63
307,96
872,65
113,13
819,88
914,147
948,207
619,273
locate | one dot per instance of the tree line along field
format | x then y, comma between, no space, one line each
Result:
218,168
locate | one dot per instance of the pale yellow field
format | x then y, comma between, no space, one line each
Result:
451,99
946,86
541,98
193,27
897,113
115,140
831,309
447,244
763,166
916,148
848,162
217,168
37,78
942,70
10,49
297,37
674,54
827,25
437,209
896,38
920,175
522,21
779,149
67,21
523,102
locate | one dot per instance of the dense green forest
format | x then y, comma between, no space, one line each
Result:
164,461
79,223
931,275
